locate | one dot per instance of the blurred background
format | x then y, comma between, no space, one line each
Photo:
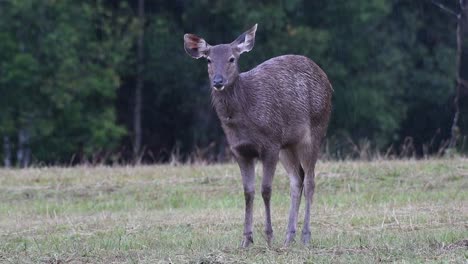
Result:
108,81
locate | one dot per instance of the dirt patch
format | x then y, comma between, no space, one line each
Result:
462,244
216,258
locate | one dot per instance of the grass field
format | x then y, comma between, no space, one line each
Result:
383,211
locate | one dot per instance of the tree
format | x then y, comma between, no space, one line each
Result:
73,84
59,77
139,83
461,80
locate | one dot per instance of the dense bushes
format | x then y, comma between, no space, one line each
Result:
68,71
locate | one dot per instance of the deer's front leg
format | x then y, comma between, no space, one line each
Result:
247,168
269,167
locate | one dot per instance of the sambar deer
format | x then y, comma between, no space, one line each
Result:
279,110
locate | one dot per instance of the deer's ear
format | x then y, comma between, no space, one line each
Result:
195,46
246,41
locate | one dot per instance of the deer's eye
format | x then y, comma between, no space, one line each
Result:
208,60
231,60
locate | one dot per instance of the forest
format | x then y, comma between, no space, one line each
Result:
108,81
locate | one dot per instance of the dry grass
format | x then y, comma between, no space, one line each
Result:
384,211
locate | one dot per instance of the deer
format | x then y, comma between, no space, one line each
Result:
277,111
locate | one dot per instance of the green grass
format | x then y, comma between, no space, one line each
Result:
363,212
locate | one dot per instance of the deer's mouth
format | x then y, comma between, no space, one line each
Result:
219,88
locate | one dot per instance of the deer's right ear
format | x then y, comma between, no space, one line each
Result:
195,46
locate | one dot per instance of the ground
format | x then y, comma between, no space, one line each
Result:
364,212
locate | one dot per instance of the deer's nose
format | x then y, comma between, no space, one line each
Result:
218,81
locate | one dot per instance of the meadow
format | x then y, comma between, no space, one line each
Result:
403,211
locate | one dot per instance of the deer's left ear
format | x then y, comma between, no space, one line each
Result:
246,41
196,46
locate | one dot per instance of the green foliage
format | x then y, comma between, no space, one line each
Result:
59,65
68,70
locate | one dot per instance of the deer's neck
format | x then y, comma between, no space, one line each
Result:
231,103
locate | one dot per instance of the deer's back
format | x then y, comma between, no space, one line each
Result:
290,92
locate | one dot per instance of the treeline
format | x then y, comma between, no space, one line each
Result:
69,71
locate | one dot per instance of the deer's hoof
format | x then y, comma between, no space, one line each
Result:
289,238
305,238
247,241
269,237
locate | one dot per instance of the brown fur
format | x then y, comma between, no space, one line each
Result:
277,111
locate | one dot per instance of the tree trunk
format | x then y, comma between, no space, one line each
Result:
6,151
461,82
23,154
139,86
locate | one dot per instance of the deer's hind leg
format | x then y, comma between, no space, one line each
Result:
308,154
292,165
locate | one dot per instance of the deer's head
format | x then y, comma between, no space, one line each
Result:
222,59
